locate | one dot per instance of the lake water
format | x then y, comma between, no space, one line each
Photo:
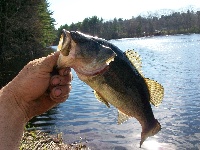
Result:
174,61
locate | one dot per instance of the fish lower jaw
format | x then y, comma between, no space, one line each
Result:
65,61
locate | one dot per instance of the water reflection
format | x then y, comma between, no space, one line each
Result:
44,121
155,145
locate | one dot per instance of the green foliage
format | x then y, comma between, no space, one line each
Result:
46,23
26,27
89,26
174,23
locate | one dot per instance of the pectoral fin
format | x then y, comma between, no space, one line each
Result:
101,99
122,117
156,91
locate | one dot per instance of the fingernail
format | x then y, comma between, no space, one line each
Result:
66,72
56,81
57,92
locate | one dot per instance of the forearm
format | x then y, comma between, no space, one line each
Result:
12,121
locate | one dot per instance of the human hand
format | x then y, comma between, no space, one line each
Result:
35,90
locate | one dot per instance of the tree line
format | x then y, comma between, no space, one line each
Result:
173,23
26,29
26,26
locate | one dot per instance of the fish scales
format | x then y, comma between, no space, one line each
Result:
126,80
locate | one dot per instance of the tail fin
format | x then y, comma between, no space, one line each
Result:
150,132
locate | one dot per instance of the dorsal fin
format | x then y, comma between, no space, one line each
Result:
135,59
101,99
122,117
156,91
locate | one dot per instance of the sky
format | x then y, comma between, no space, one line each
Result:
68,11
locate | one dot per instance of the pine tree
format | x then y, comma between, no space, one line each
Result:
26,29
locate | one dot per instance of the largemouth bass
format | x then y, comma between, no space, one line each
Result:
115,77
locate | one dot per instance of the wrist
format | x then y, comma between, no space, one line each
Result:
12,104
12,120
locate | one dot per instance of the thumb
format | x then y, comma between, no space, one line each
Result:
50,61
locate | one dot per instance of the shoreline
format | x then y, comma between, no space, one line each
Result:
36,139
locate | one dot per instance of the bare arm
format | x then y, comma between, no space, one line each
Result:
12,121
32,92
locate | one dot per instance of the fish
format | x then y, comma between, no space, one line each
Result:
115,76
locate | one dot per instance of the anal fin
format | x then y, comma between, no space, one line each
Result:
97,95
156,91
122,117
